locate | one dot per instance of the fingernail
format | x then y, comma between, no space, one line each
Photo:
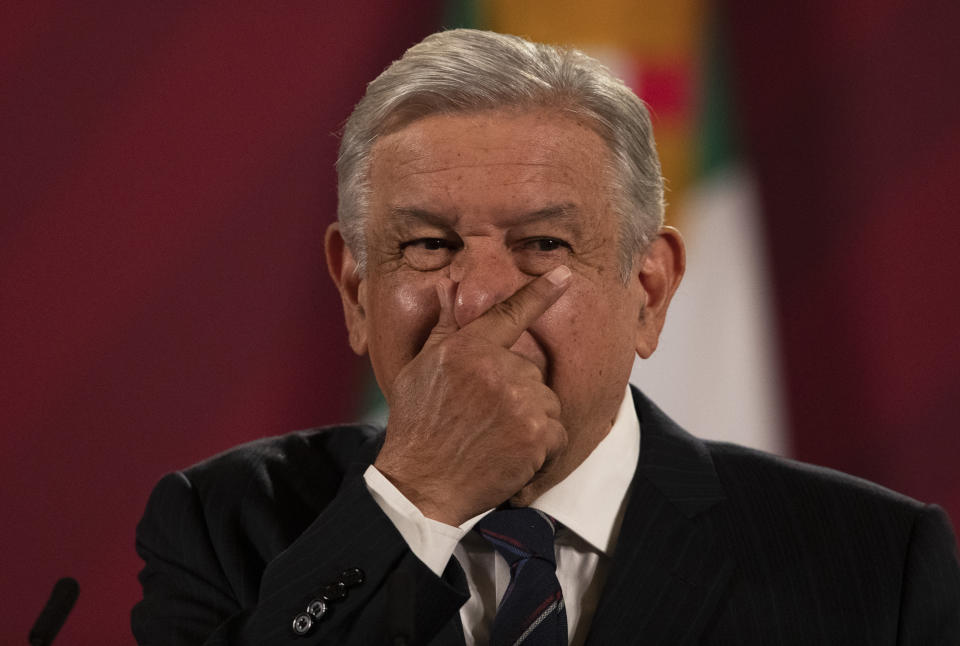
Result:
558,275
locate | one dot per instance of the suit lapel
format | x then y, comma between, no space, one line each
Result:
668,572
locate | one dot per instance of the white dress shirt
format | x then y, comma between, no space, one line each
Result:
589,503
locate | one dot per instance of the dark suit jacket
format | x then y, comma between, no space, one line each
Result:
719,545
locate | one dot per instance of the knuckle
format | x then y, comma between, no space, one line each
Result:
526,370
553,406
532,426
536,429
513,395
561,437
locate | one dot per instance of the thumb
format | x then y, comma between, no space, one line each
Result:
446,321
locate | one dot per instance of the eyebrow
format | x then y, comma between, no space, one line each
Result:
407,213
567,214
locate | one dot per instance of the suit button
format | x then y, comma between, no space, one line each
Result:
353,576
302,624
334,592
317,608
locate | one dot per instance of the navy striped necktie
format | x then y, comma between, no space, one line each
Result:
532,610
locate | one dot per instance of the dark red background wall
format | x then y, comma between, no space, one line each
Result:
167,176
851,114
167,173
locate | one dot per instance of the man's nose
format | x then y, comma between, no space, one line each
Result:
484,278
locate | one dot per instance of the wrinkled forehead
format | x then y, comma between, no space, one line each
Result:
535,118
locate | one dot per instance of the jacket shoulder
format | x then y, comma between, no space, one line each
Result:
328,450
271,489
810,512
244,506
755,473
293,476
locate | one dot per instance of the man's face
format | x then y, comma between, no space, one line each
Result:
491,200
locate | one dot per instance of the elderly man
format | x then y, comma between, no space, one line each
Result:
501,258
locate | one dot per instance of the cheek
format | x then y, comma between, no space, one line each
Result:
560,324
577,317
408,300
585,332
401,317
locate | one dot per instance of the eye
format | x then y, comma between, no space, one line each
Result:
427,254
539,255
545,245
428,244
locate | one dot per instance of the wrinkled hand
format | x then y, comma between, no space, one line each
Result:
472,422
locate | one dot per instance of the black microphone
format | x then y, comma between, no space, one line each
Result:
400,608
51,619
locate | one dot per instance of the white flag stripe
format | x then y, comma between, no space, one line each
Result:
716,370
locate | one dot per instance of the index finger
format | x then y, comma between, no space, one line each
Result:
506,321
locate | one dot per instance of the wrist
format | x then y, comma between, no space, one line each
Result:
432,502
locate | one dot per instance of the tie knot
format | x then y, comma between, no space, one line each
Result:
519,533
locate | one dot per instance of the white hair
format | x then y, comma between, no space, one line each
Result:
466,70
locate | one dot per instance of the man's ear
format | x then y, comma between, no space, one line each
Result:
658,272
343,269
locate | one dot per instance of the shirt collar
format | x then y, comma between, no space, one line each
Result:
590,501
